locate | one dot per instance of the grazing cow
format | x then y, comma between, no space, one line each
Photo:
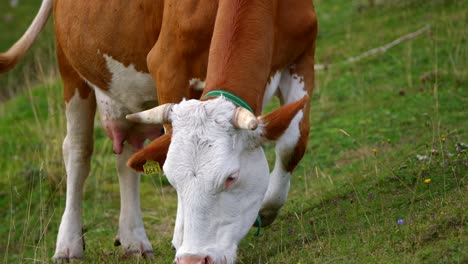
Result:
243,52
246,52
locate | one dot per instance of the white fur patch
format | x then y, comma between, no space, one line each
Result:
291,86
128,86
197,84
291,136
271,88
109,109
128,91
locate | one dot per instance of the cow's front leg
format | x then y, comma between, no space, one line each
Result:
131,234
295,83
279,183
77,150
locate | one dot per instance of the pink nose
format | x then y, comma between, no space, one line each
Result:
194,260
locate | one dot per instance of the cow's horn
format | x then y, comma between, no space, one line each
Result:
156,115
244,119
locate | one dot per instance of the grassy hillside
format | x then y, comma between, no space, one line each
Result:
383,180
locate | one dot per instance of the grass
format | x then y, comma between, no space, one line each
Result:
379,129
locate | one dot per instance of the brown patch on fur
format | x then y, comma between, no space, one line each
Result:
156,151
195,94
181,52
241,50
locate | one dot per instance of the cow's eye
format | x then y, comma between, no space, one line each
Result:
230,180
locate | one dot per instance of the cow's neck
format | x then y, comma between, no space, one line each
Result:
241,50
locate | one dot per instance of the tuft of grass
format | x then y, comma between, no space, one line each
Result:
380,128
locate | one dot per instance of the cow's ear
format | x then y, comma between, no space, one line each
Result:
274,124
155,151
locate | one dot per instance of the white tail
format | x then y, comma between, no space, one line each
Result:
9,59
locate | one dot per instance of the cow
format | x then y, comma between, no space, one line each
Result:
216,64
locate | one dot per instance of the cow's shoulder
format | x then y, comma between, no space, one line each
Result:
296,18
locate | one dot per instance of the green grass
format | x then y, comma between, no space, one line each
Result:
361,173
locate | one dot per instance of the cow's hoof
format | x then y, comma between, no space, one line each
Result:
148,254
70,243
64,258
134,244
131,251
73,252
117,242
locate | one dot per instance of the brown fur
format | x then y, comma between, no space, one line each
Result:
252,39
85,32
236,45
181,52
72,82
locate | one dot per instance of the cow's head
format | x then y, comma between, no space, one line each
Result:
217,165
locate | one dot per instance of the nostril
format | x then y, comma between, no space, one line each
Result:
208,260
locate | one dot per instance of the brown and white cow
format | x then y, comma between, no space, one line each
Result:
244,52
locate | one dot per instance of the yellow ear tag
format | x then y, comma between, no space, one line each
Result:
151,167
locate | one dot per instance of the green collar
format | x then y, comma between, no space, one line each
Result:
259,226
230,96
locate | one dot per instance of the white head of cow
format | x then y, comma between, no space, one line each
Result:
220,173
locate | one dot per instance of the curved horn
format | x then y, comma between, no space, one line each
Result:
156,115
244,119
